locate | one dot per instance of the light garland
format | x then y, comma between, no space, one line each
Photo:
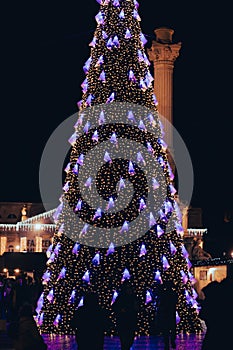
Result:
117,71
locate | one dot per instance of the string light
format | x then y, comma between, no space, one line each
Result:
117,71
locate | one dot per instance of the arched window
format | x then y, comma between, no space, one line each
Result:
12,216
11,249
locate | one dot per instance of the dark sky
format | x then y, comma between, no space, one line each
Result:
44,46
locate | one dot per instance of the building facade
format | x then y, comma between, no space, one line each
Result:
25,227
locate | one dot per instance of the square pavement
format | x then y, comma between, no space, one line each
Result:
56,342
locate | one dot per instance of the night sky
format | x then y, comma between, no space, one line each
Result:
44,46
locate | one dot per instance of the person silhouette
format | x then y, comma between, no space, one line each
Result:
27,335
216,308
168,299
126,308
89,323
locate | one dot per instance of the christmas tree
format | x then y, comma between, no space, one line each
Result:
118,218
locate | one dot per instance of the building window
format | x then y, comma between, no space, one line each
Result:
12,216
203,275
11,249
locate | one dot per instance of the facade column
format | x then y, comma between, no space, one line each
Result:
163,54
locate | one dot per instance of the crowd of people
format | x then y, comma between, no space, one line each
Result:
14,293
18,299
90,321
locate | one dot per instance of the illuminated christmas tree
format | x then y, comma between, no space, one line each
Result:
118,218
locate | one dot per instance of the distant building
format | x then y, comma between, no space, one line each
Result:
25,227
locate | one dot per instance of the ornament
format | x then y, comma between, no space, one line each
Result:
141,126
57,320
132,77
81,302
122,14
172,189
93,42
101,118
150,148
41,319
136,15
88,182
142,204
125,227
79,121
143,39
131,168
152,220
115,295
80,159
58,212
66,187
107,158
158,277
140,158
57,249
110,44
111,249
89,99
143,250
46,277
113,138
95,136
111,98
160,231
116,41
96,259
84,229
72,297
116,3
50,296
75,169
76,248
99,18
155,184
165,263
86,277
87,65
67,168
98,214
84,86
102,77
72,139
121,184
140,56
172,248
125,275
100,60
62,274
148,297
142,85
184,277
151,120
128,34
79,205
104,36
110,204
